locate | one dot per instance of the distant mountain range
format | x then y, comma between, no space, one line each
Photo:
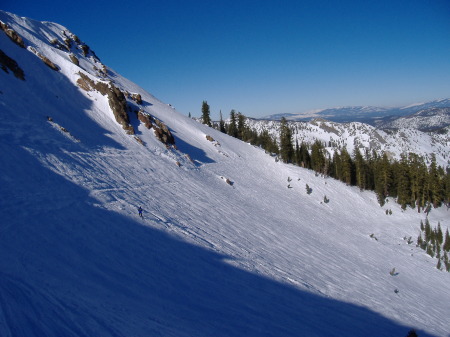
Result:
364,114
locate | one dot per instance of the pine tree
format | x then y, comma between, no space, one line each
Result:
305,158
318,159
418,175
446,246
286,147
412,333
360,169
419,240
206,114
428,231
222,124
232,128
439,234
308,189
382,178
402,180
436,190
241,126
346,167
446,262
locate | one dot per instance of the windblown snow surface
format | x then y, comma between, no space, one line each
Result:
249,258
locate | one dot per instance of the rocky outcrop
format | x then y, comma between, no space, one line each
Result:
57,44
70,39
116,99
145,118
44,59
74,59
162,132
8,63
137,98
118,104
12,34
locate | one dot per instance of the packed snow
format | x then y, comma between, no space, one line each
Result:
250,257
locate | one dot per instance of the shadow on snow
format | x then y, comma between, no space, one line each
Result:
69,268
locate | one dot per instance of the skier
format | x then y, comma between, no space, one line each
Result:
140,212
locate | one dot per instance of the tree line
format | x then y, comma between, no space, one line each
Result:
435,243
411,181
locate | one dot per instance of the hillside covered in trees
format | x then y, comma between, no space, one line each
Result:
412,180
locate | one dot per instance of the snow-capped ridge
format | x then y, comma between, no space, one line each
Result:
365,114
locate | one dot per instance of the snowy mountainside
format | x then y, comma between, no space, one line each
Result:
224,249
364,136
424,120
363,114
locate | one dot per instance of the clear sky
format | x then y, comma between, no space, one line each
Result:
265,57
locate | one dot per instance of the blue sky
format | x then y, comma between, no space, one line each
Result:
266,57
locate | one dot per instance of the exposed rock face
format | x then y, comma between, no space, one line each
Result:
55,42
12,34
162,132
116,99
8,63
137,98
44,59
145,118
74,59
70,39
118,104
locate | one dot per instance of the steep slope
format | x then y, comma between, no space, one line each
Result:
210,258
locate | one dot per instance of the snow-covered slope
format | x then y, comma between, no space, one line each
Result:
245,258
365,137
425,120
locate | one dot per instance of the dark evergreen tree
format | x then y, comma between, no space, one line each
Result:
446,245
241,126
318,159
417,175
402,180
206,114
435,183
286,147
446,262
412,333
232,127
420,240
439,234
428,231
346,167
360,169
447,187
382,178
222,124
305,158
